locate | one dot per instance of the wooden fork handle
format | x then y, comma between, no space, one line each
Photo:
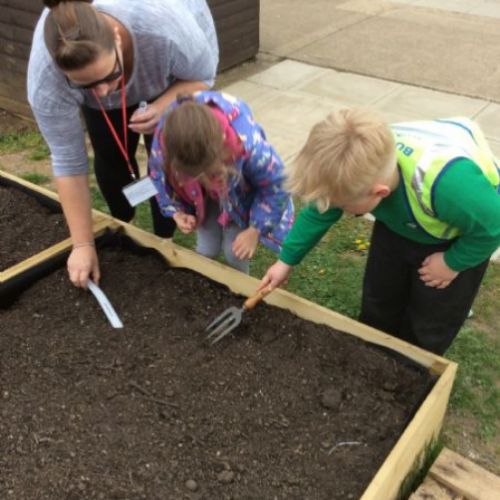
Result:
252,301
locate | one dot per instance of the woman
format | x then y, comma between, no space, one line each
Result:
216,173
104,58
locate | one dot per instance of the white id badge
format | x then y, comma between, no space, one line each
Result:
139,191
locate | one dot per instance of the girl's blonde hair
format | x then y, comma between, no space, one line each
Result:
343,157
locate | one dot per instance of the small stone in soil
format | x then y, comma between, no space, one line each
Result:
389,386
331,398
191,485
226,476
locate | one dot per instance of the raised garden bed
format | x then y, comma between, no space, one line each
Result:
286,408
29,223
32,229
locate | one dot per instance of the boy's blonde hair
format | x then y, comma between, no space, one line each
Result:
344,156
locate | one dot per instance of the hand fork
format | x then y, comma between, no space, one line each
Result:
226,322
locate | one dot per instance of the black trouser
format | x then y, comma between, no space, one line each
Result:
111,169
396,301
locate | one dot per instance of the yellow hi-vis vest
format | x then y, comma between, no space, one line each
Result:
425,149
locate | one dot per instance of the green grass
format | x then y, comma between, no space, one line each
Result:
39,153
477,390
420,469
97,199
36,178
476,394
28,141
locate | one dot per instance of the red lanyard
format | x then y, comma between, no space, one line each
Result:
122,145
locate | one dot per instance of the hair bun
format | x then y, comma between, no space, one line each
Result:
54,3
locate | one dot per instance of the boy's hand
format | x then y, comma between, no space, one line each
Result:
276,275
434,271
245,244
185,222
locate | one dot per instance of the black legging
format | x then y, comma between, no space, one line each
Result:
111,169
396,301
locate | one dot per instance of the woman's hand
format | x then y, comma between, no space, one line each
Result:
185,222
245,244
83,264
276,275
435,273
144,121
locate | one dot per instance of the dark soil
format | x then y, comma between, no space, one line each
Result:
26,226
284,409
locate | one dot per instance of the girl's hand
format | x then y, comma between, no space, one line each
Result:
83,263
276,275
185,222
144,121
245,244
435,273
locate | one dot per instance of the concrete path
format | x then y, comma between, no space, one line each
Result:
447,45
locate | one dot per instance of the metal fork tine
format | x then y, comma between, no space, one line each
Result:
226,322
221,328
218,320
227,331
223,324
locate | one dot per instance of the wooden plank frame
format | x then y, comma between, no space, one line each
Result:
463,477
99,219
426,423
455,477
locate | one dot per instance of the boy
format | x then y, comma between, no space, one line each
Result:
433,188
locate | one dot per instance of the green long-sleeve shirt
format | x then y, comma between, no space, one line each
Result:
463,198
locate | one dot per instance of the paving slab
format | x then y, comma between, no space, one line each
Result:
485,8
419,103
354,90
489,120
288,74
253,93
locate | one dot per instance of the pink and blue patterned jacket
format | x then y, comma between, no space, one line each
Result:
256,196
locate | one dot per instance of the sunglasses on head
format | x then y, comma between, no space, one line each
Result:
114,75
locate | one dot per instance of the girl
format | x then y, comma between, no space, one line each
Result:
103,58
216,173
